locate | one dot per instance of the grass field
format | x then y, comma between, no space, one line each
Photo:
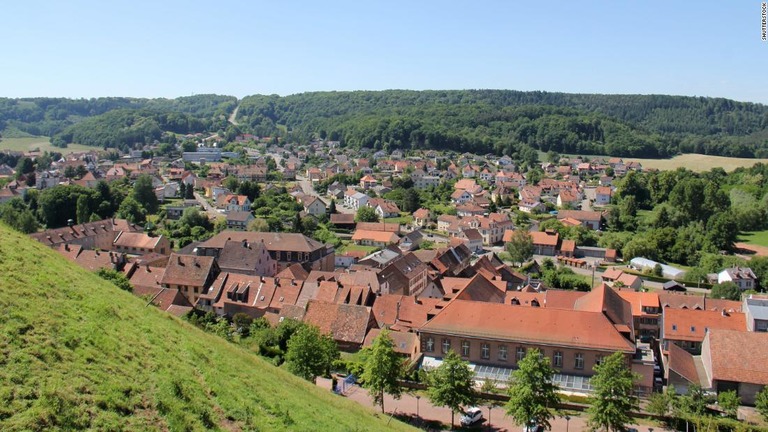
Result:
402,220
77,353
42,143
759,238
697,162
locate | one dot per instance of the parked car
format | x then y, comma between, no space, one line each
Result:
533,428
471,416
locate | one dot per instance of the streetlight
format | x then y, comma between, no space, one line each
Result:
490,407
417,405
567,422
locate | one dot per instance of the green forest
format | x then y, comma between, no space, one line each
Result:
480,121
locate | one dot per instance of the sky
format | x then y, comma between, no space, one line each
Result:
171,48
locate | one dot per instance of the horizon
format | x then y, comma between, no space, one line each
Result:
86,49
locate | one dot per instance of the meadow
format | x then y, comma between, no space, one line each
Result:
41,143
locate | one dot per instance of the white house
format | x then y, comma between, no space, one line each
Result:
744,277
313,205
603,195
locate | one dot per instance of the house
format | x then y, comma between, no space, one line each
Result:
232,203
93,260
375,238
384,208
646,311
405,344
617,278
421,217
469,209
568,198
603,195
461,197
411,241
452,261
729,360
499,335
474,239
247,258
174,212
404,275
531,206
368,182
313,205
239,220
686,328
347,324
756,310
743,277
140,243
285,248
589,219
91,235
544,242
190,274
354,199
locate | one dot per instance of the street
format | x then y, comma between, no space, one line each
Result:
421,408
212,212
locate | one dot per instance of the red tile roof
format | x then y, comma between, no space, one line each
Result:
558,327
692,324
347,323
739,356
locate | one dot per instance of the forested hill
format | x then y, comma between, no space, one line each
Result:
509,121
481,121
113,121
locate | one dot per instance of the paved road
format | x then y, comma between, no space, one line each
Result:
212,212
233,117
409,405
309,189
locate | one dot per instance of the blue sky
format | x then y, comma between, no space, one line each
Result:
178,48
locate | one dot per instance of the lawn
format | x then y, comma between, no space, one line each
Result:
42,143
402,220
759,238
354,247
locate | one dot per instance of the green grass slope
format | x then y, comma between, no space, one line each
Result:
78,353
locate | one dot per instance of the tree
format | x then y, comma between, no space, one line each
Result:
190,192
83,209
332,207
613,398
722,231
661,404
250,189
182,189
310,353
259,225
451,384
520,246
383,369
532,395
411,201
242,323
727,290
144,194
729,401
761,403
132,211
117,278
366,214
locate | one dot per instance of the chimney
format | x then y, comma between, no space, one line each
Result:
724,313
397,313
178,260
66,246
148,269
416,299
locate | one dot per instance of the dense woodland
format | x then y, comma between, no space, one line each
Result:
480,121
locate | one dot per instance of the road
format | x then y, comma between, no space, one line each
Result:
233,117
308,189
212,212
409,405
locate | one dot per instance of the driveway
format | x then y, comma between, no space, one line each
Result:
409,405
212,212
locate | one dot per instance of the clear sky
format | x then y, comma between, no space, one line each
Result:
170,48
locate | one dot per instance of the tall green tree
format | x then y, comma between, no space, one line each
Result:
520,246
727,290
729,402
310,353
613,398
452,384
383,369
411,201
83,209
532,394
761,403
144,194
131,210
366,214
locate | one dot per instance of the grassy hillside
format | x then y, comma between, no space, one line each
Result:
78,353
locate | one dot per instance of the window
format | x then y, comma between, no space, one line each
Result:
579,361
674,326
485,351
503,352
446,346
465,348
693,328
598,359
557,359
520,354
430,344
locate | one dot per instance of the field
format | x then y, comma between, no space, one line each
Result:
759,238
697,162
77,353
42,143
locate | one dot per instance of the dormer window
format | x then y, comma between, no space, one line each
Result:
674,326
693,329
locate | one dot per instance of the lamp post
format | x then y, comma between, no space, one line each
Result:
567,422
490,407
417,405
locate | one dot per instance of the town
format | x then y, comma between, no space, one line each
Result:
484,256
